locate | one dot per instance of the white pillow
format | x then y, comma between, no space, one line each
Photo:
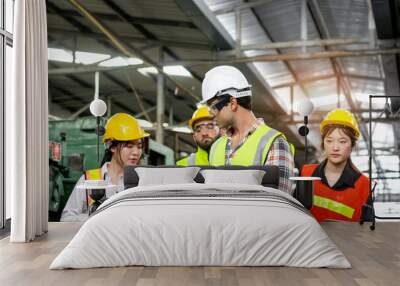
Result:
248,177
166,176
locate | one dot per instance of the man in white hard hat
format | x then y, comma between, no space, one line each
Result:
205,132
248,141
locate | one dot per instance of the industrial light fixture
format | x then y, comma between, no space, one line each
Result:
98,108
121,62
305,108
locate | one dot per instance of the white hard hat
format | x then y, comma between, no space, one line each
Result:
224,80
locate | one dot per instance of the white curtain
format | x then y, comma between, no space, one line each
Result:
26,124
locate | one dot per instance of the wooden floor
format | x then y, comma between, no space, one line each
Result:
375,256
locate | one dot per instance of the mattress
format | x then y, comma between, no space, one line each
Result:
201,225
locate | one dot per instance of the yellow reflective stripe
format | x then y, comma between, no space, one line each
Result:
183,162
264,143
217,152
94,174
333,206
292,149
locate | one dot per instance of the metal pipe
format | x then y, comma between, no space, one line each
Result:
160,103
238,17
305,43
109,105
305,139
370,144
296,44
91,69
96,85
303,26
371,26
98,139
75,50
145,111
171,115
176,145
291,102
54,117
287,57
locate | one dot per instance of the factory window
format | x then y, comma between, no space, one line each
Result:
6,44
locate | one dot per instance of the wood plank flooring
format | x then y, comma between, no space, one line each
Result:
374,255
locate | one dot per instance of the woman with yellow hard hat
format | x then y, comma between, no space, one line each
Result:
343,190
123,139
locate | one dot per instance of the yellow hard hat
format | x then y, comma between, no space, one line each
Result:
201,113
123,127
341,117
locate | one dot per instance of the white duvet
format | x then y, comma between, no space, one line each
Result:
201,224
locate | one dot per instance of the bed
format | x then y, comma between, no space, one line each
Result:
200,224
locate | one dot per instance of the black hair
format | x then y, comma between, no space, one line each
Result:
108,154
244,102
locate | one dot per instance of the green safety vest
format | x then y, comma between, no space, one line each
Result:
199,158
253,151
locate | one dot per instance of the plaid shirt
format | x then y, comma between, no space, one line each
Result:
278,155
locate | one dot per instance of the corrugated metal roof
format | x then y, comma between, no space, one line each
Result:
345,18
160,9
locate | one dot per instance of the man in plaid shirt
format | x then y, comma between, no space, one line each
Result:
248,141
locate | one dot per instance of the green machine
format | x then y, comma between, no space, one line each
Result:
73,149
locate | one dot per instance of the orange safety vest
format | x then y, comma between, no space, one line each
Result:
344,204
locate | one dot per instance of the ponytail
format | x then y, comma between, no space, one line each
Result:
107,156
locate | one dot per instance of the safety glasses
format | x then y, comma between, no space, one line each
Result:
219,104
207,126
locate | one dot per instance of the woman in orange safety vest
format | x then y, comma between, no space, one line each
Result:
123,139
343,189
